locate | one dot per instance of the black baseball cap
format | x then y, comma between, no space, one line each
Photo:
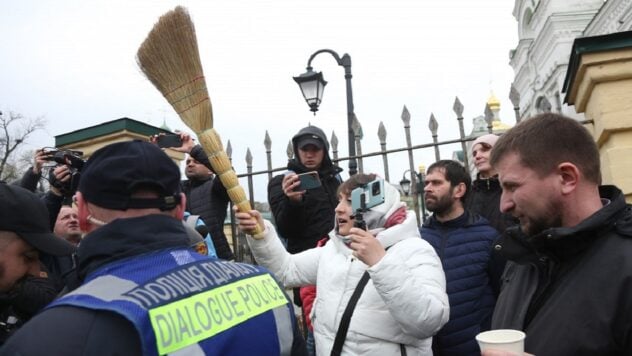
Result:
113,173
309,139
24,213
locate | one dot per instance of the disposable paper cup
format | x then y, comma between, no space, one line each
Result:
503,340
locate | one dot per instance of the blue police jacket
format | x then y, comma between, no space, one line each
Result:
179,300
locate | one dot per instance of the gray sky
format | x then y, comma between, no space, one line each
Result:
74,63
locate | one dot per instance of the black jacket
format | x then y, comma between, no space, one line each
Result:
208,199
306,222
570,289
78,331
484,200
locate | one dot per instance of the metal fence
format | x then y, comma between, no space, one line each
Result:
242,252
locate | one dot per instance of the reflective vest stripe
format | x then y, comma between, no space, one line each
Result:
285,330
191,350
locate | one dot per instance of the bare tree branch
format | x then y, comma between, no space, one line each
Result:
15,129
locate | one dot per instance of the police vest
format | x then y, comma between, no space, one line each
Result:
179,300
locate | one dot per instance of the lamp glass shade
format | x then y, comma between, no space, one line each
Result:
312,86
405,184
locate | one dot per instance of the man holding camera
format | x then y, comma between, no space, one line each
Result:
63,178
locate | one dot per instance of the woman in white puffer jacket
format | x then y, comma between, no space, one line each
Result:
404,303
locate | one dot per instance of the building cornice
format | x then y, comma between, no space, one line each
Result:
587,45
611,18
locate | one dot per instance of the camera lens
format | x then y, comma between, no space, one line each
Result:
375,189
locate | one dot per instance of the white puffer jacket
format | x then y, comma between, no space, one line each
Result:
404,302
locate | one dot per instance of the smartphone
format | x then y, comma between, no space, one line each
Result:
369,195
309,180
166,141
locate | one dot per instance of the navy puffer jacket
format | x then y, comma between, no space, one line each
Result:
464,246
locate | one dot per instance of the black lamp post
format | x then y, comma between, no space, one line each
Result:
405,184
312,85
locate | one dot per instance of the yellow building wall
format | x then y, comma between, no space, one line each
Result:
603,91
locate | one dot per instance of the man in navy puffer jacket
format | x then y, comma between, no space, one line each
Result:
464,243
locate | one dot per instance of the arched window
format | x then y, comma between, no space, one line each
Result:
542,105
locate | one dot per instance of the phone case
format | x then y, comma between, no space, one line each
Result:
167,141
373,193
309,180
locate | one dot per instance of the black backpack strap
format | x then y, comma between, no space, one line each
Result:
341,335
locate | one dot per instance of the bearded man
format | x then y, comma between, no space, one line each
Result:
463,241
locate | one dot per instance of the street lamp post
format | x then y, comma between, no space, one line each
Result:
312,85
419,189
421,183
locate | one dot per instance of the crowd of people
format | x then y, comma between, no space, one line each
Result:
130,259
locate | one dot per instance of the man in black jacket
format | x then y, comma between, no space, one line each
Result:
144,290
304,216
568,282
206,196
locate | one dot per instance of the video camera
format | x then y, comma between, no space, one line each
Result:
74,161
68,157
364,198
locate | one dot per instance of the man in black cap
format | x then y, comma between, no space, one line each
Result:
206,196
304,216
24,232
25,284
144,290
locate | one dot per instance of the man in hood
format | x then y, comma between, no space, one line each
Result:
304,216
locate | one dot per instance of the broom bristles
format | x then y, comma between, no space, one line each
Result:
170,59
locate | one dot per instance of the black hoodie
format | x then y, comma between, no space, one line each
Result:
304,223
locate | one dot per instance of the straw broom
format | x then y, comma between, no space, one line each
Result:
170,59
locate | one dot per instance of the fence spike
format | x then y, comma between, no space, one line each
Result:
489,118
334,141
267,141
433,125
356,127
290,150
381,133
248,157
406,116
229,150
458,107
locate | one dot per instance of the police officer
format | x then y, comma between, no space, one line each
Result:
143,290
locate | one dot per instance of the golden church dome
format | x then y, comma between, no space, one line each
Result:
493,102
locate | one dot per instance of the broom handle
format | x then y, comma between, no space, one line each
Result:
212,145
